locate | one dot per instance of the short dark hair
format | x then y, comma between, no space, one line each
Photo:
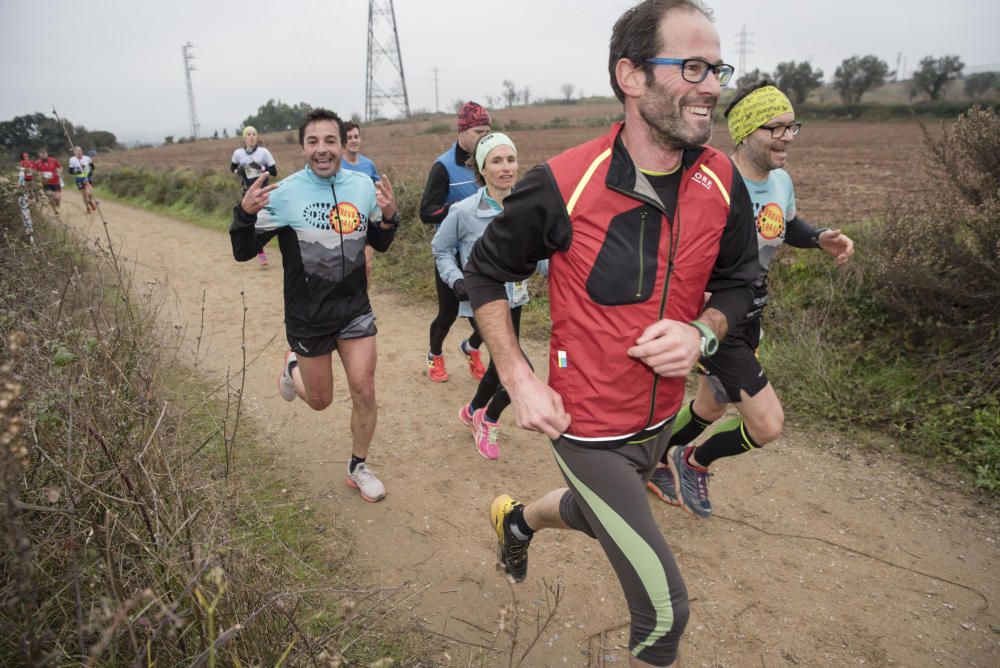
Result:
351,125
320,114
636,35
743,91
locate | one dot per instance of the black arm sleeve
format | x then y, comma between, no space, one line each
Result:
432,206
533,226
273,170
246,240
801,234
380,238
737,266
234,167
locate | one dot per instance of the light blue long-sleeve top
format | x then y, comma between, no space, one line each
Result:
465,223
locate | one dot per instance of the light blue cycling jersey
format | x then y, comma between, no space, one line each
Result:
364,165
322,225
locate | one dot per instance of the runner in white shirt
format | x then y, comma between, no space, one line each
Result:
250,161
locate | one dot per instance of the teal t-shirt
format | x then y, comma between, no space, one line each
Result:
773,206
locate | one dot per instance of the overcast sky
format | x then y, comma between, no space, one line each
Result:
117,65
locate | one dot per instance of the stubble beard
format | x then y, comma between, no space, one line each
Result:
664,118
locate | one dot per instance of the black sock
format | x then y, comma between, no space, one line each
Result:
687,427
355,460
518,526
730,438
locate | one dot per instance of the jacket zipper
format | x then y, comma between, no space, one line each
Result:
642,258
670,267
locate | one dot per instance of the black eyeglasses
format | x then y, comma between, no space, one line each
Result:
695,70
778,131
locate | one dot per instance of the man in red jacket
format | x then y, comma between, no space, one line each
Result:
50,172
637,226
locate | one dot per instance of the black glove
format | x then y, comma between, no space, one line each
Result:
460,291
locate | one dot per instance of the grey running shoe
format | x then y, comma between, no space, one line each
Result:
286,386
662,485
365,481
691,481
512,553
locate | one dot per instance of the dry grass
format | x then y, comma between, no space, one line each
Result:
138,527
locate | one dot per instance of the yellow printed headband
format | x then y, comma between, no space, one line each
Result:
490,142
754,110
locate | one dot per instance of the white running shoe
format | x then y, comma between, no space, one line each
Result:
286,386
364,480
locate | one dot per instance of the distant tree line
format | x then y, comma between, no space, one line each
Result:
275,115
857,75
32,132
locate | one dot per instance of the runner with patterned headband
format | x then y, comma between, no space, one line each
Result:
763,126
450,181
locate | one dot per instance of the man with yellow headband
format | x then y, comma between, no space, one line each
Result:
762,124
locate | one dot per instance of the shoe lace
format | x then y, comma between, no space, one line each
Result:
362,473
701,480
491,433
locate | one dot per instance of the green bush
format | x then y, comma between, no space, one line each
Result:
205,196
907,338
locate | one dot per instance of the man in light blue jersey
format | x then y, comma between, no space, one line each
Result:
763,126
354,161
323,217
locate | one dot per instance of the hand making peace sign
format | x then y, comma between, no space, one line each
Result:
257,195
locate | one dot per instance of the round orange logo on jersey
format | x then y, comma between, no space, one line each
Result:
771,221
345,218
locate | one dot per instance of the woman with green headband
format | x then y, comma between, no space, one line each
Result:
494,163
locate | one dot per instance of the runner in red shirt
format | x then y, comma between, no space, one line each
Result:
49,170
26,168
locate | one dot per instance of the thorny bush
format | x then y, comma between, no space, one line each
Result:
122,544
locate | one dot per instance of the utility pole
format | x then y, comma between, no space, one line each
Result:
437,107
188,68
383,42
899,66
744,40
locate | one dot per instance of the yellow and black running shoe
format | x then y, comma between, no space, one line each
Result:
512,552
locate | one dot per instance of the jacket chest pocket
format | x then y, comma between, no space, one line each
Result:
624,270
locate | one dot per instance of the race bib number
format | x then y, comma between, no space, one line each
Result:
252,172
47,176
520,291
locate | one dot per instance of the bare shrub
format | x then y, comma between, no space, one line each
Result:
126,541
936,262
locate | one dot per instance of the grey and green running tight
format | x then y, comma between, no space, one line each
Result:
607,500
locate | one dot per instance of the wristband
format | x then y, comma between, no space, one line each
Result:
709,342
818,232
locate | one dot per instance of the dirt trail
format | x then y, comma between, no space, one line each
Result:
822,553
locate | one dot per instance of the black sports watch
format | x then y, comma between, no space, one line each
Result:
709,344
